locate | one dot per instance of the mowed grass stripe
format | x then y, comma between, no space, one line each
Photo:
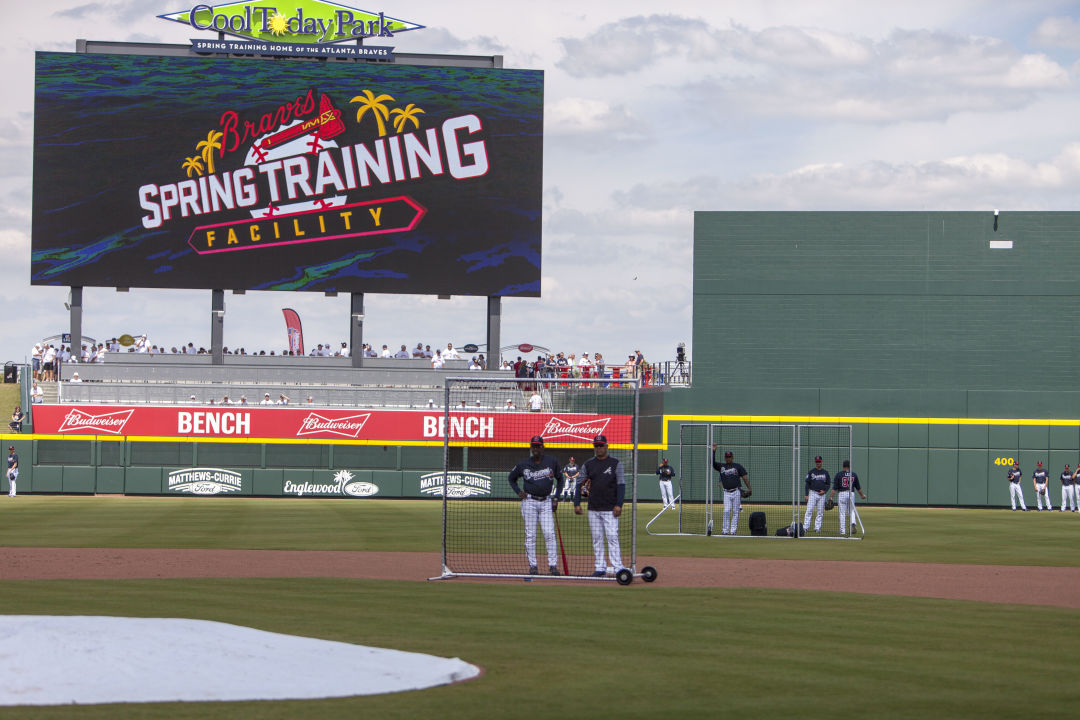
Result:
995,537
604,651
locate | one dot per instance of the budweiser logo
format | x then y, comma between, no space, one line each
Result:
345,426
557,427
79,421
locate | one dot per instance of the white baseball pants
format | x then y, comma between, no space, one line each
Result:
1041,492
1016,493
13,475
569,488
814,501
603,524
533,510
732,508
845,502
1068,497
667,494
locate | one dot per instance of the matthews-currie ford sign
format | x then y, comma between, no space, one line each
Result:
291,27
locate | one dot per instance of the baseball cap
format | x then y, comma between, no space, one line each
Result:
729,454
1066,467
817,458
536,440
847,463
600,440
1039,463
11,447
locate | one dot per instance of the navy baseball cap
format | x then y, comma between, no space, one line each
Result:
847,463
600,440
728,454
817,459
537,440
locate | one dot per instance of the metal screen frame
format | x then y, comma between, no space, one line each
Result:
648,573
688,450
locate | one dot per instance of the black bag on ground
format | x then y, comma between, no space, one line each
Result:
790,531
757,524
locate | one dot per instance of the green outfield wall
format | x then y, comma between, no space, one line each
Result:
947,339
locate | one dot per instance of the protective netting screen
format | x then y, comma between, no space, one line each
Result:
832,443
774,459
488,529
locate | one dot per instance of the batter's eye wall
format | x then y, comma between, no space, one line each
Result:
902,314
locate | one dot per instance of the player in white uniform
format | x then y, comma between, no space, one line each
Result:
1015,491
817,484
13,470
542,483
732,476
1042,492
665,472
570,473
1068,489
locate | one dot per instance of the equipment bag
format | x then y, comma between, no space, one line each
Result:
757,524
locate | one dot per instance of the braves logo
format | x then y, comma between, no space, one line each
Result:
557,427
80,421
349,426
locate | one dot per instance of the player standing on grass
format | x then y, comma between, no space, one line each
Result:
603,479
13,470
571,472
1039,479
542,484
1068,489
817,484
844,484
1015,491
667,494
732,476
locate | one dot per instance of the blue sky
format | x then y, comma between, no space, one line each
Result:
652,111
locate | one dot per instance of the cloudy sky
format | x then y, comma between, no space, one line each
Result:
652,111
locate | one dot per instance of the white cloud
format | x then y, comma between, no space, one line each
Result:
1058,32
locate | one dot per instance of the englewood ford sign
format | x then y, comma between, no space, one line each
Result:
322,424
290,27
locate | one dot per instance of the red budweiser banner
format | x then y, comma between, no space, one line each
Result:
244,421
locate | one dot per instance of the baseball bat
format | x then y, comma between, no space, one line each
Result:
562,549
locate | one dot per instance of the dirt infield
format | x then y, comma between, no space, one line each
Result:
987,583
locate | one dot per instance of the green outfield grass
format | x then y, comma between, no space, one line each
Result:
996,537
605,651
596,650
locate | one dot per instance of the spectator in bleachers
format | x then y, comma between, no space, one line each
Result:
190,349
192,400
386,352
225,399
482,362
35,360
427,352
506,365
345,350
536,403
450,353
402,354
310,400
437,362
418,351
48,363
36,394
210,401
510,405
16,420
75,377
283,399
85,356
473,365
431,403
266,399
243,400
599,360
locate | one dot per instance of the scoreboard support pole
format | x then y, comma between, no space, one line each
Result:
217,327
75,309
356,329
494,326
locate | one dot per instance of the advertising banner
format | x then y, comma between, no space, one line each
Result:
188,172
283,422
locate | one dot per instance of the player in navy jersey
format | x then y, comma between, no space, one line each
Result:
603,477
543,480
1068,489
1015,491
845,484
732,476
1042,492
817,484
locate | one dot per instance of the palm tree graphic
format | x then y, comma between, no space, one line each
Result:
406,116
193,165
208,146
369,101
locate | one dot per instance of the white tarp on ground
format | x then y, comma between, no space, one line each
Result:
47,660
